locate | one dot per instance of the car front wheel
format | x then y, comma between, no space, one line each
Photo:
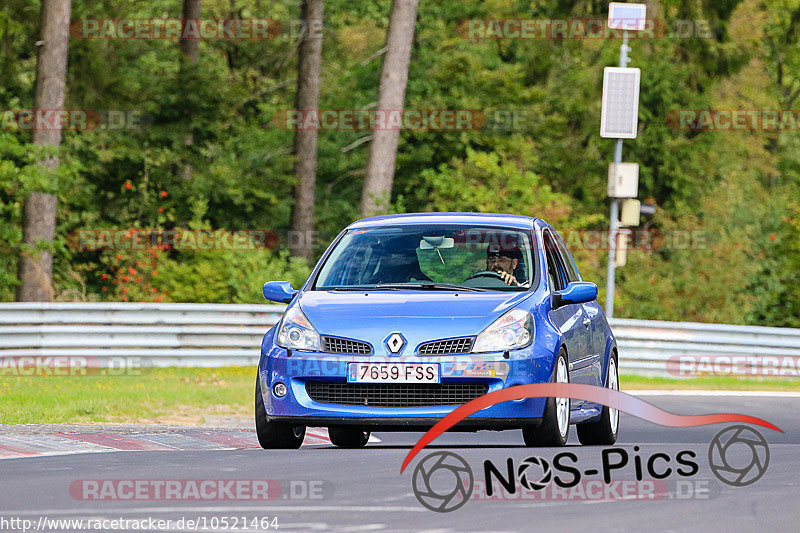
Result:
554,429
273,435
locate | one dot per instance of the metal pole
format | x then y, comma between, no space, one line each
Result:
613,227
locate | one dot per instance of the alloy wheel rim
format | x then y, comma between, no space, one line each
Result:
562,404
613,384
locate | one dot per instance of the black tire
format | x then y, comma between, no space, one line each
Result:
602,432
548,433
348,437
275,435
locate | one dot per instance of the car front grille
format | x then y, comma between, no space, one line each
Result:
446,347
345,346
395,394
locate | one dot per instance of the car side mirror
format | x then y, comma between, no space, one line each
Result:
577,292
279,291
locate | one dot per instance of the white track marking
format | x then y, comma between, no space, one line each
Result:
721,393
48,445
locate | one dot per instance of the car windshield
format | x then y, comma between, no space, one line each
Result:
430,257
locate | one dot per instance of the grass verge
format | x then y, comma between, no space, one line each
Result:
633,382
157,395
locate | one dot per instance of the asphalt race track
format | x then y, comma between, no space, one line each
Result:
56,476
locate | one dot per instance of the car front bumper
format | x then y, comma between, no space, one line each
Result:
530,365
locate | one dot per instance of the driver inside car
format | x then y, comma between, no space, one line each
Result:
504,262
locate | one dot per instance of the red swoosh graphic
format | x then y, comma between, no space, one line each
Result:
592,393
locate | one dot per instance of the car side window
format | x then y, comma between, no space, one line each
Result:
550,270
554,269
566,259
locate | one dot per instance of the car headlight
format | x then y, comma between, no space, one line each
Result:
511,331
297,333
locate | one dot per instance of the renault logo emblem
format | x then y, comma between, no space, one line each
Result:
395,343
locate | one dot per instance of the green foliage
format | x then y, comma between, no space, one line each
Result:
493,183
228,276
210,152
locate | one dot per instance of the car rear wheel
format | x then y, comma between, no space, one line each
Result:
603,432
274,435
348,437
554,429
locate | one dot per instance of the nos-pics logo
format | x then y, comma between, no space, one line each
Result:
443,481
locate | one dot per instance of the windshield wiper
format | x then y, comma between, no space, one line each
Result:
362,288
350,288
429,285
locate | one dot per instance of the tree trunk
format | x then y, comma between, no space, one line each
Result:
190,52
190,47
305,140
35,268
377,190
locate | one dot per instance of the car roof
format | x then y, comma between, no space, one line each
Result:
485,219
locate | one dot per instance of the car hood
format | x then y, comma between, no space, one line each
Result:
420,316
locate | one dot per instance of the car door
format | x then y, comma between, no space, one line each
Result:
587,369
571,319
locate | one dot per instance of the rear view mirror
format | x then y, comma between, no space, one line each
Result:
279,291
577,292
429,243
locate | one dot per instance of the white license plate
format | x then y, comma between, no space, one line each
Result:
393,373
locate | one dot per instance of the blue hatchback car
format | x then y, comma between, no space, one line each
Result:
406,317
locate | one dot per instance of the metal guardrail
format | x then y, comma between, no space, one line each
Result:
160,334
659,348
220,334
